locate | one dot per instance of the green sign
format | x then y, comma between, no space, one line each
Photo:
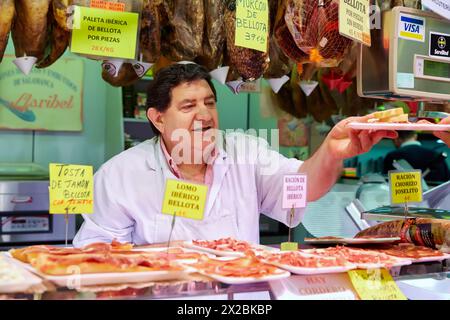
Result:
46,99
104,33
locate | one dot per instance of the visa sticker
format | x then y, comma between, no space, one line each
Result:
411,28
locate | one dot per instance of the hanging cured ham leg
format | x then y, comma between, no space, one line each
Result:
7,11
29,32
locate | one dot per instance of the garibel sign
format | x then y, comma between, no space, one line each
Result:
47,99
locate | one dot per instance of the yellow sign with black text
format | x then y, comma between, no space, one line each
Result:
354,20
375,284
184,199
71,188
252,24
406,187
104,33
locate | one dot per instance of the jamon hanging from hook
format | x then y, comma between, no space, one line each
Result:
249,63
183,30
7,12
213,35
29,32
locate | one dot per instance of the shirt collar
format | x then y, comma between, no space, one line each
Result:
410,143
173,166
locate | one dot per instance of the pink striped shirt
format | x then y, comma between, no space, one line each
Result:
209,174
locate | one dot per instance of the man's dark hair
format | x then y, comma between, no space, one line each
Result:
159,92
405,134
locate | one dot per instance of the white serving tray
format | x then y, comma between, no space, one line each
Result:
258,249
88,279
351,240
398,126
29,279
307,271
244,280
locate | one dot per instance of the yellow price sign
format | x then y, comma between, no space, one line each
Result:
71,188
375,284
252,24
289,246
354,20
104,33
405,186
184,199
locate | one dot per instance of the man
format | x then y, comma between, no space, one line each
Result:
431,163
244,176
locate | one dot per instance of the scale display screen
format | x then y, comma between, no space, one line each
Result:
436,69
25,224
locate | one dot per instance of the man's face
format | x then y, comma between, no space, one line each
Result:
190,121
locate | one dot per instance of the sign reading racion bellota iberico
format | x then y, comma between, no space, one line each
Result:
47,99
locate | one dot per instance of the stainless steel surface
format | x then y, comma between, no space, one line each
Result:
438,197
24,215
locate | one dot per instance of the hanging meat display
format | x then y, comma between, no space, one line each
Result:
279,64
320,102
314,27
213,35
7,11
183,32
125,77
29,32
61,13
150,34
249,63
284,38
298,97
57,42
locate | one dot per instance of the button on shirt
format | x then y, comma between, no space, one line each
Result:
247,179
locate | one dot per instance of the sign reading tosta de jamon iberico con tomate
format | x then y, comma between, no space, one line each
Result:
47,99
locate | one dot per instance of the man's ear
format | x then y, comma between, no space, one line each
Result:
155,117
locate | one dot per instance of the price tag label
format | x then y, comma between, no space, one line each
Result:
184,199
104,33
104,4
252,24
294,191
71,189
289,246
406,187
354,20
375,284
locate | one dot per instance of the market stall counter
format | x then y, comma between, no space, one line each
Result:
284,275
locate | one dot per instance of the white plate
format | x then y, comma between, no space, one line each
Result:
185,250
244,280
72,281
222,253
257,249
22,285
107,277
425,259
398,262
398,126
351,240
303,270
